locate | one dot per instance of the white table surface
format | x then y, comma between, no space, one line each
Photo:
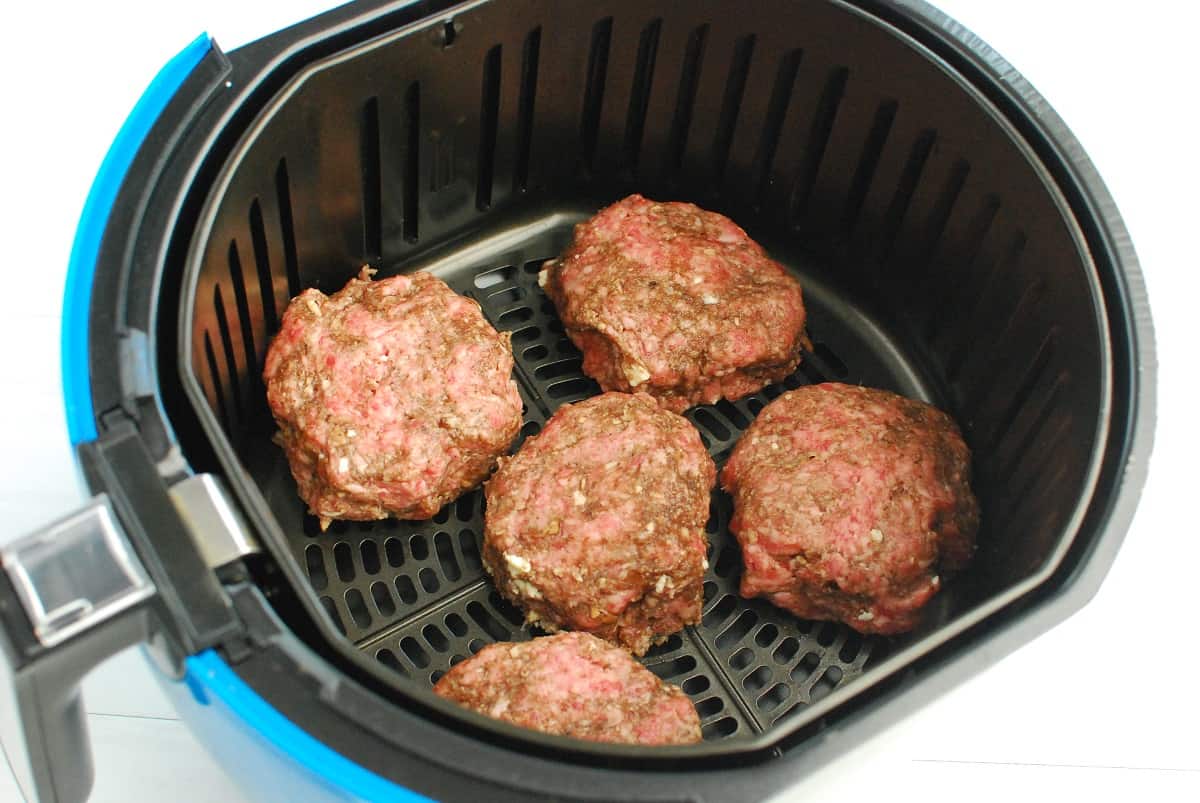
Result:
1104,707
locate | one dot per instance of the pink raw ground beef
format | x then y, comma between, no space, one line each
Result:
597,524
850,503
675,301
573,684
392,397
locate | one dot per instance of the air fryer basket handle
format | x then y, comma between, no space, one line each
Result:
71,595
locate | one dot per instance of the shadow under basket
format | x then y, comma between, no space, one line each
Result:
948,247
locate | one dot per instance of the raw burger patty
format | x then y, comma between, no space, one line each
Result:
392,397
597,524
573,684
849,503
677,302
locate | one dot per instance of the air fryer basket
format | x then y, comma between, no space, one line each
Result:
939,259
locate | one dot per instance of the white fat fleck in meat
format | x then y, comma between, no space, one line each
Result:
866,616
527,589
580,499
663,582
350,433
543,277
518,564
709,299
876,535
314,306
636,373
343,465
697,279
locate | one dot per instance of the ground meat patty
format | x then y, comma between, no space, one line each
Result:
597,524
677,302
392,397
573,684
849,503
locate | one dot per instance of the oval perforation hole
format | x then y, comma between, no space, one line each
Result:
405,589
475,645
755,406
435,638
443,515
383,599
393,550
774,697
455,624
535,353
428,580
314,559
825,684
486,621
311,526
741,659
708,421
802,670
722,728
389,659
331,610
456,659
369,551
446,557
710,591
515,317
436,675
466,506
733,414
738,630
571,366
526,335
696,685
495,276
415,652
757,680
766,635
710,707
344,561
505,297
850,647
578,386
470,550
358,608
828,633
673,668
786,650
534,266
720,612
530,428
418,547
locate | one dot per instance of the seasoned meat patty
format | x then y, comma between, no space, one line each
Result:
573,684
392,397
597,524
850,503
677,302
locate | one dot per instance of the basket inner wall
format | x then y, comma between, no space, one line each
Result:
935,260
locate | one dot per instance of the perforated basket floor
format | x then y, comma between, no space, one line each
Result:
414,595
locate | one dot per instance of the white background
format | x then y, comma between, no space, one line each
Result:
1104,707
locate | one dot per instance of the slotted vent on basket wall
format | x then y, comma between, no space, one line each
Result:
869,179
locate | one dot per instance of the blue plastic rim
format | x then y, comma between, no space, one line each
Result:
81,268
219,704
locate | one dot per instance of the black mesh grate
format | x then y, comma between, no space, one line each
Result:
414,595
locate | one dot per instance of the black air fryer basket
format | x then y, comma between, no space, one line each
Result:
953,242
